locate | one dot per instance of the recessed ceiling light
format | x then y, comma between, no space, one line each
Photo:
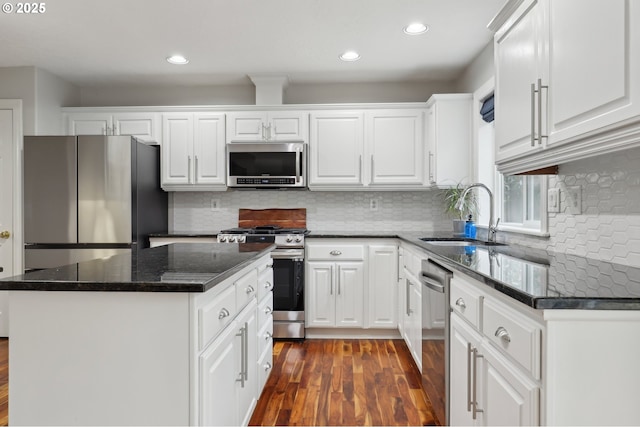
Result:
415,29
177,60
350,55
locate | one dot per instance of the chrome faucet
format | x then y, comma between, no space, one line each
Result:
492,227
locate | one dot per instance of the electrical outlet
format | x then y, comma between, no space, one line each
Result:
373,204
215,205
553,200
574,200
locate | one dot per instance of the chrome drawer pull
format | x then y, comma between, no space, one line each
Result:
268,336
223,313
267,285
335,253
267,366
503,334
268,310
460,303
250,290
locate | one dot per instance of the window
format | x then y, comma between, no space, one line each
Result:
518,200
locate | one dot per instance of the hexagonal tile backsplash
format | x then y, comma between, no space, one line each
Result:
608,228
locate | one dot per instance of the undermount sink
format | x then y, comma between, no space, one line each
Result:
458,242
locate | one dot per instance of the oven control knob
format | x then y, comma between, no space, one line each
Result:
298,239
289,239
232,239
241,239
222,239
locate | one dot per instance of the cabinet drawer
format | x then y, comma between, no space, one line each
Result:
215,315
265,311
265,283
335,252
465,301
265,337
246,288
514,334
265,366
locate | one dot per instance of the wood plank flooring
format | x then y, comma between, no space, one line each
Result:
4,381
343,382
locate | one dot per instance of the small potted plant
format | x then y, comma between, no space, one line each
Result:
452,197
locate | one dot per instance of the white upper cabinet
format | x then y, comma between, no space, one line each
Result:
367,149
193,152
336,148
449,138
395,144
563,93
267,126
145,126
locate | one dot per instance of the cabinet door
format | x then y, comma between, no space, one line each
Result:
288,126
90,124
177,148
394,141
246,126
508,398
320,306
461,375
336,149
416,322
218,374
140,125
247,391
349,294
449,138
593,81
382,286
209,149
519,62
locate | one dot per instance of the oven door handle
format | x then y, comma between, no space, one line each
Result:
294,254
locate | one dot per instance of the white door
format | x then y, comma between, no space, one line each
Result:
177,148
10,257
319,290
395,144
288,126
336,145
349,294
383,279
140,125
246,126
208,147
519,57
90,124
461,380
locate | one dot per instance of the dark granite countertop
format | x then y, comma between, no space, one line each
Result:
181,267
540,279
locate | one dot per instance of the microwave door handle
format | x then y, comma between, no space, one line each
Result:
297,165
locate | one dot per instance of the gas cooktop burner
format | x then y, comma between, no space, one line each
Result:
265,229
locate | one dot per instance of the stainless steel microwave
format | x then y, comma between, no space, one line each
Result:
267,164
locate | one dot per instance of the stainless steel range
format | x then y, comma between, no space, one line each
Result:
288,273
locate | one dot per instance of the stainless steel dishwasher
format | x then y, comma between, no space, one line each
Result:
436,315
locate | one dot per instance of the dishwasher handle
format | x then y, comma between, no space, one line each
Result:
432,284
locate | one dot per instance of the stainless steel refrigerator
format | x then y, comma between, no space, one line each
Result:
88,197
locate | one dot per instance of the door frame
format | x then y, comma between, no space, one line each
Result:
16,154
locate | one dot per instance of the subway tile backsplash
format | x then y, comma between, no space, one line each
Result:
608,228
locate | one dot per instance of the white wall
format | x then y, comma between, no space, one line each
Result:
19,83
52,93
477,72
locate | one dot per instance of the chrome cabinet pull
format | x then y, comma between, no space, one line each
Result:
331,285
268,336
267,366
408,292
460,303
476,356
223,313
338,279
243,355
431,167
268,310
249,290
195,175
188,168
503,334
533,114
335,253
267,285
360,170
469,353
373,174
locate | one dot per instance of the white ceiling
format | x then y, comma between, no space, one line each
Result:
121,42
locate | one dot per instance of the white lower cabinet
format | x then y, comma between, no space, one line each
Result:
335,291
231,369
495,359
383,274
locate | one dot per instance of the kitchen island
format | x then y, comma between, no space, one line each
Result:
137,339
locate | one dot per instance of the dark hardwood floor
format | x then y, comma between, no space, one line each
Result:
327,382
4,381
343,382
